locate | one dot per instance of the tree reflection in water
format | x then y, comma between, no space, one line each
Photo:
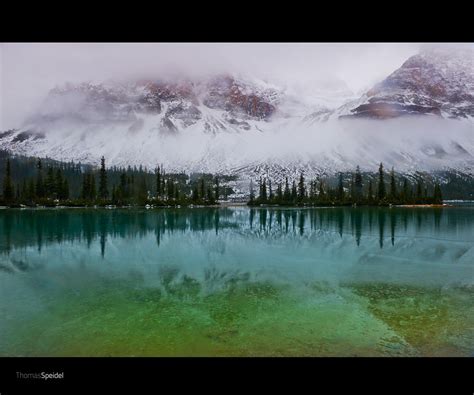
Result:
21,228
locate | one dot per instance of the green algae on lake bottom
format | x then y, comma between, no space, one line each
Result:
238,289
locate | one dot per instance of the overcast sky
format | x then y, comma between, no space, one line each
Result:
28,71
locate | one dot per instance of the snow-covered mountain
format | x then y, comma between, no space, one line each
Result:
131,122
212,104
243,125
433,82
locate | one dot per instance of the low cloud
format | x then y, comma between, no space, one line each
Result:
28,71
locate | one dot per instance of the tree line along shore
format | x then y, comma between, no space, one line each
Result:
33,183
354,192
75,185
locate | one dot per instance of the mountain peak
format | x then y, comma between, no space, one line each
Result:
226,122
434,82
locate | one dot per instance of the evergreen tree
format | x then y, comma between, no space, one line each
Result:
294,192
114,194
279,194
252,192
31,191
287,193
270,192
263,196
176,193
121,192
370,193
170,189
405,193
381,190
352,190
322,192
50,184
40,192
216,193
92,187
301,189
163,183
8,192
358,185
195,194
437,196
158,183
312,191
209,195
103,190
85,186
202,191
393,186
59,184
65,189
340,189
142,195
24,190
419,191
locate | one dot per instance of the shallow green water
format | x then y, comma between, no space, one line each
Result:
237,282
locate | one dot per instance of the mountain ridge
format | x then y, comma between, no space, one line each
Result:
242,124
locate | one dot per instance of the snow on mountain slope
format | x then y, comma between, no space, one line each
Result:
131,123
436,82
283,150
246,126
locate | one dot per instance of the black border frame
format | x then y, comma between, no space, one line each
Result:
402,23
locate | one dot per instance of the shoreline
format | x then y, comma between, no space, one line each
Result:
424,205
223,205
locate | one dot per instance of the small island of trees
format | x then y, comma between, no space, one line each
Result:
356,192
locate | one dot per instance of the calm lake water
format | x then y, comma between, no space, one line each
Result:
237,282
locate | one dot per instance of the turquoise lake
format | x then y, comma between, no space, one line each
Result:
237,282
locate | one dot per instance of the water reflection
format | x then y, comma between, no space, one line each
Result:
22,228
237,281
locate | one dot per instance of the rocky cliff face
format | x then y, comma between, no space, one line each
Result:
226,93
233,124
434,82
180,104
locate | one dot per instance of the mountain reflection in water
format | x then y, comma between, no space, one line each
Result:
237,281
